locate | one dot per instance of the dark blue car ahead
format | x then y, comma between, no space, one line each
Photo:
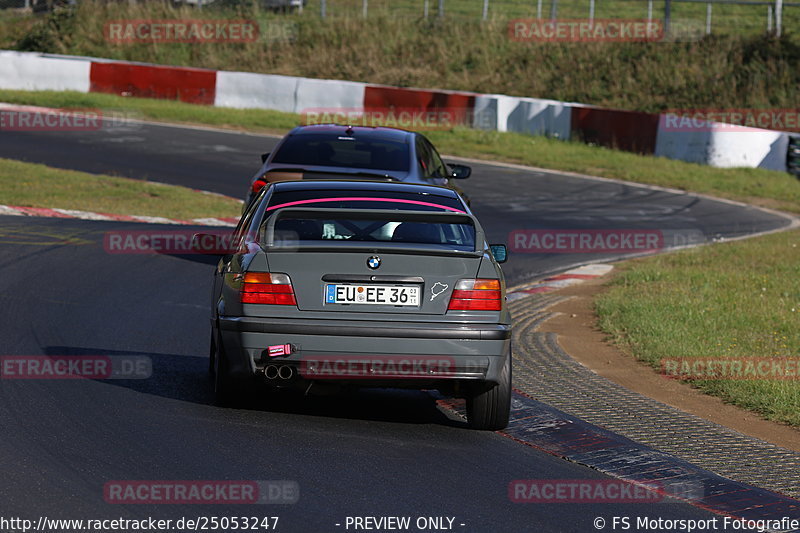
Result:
329,151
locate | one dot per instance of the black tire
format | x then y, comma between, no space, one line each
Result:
227,391
488,409
212,367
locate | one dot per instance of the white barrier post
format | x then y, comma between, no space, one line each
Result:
485,9
708,18
778,17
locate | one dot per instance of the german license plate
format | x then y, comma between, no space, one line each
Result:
372,294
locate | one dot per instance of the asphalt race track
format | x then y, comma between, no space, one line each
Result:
375,453
505,199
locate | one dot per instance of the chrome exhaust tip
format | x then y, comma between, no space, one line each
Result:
271,372
285,372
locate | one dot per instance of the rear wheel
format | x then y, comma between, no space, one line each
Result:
489,408
212,366
227,391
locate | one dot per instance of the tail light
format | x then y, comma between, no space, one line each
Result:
266,288
259,184
476,295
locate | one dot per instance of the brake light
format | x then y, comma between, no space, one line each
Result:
476,295
267,288
259,184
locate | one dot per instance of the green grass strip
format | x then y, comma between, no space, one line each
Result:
738,300
33,185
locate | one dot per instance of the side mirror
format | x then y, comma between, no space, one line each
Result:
500,252
264,157
212,243
459,172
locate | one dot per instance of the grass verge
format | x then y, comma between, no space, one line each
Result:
257,120
766,188
33,185
738,301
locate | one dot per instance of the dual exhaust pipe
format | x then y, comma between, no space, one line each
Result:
279,372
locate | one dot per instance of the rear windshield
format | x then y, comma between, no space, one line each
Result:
359,199
388,227
342,151
379,229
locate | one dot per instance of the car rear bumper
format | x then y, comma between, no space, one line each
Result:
405,353
402,330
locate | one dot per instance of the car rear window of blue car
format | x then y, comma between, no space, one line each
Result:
344,152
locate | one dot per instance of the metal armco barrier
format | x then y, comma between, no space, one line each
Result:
644,133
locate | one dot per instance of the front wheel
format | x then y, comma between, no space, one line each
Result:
489,408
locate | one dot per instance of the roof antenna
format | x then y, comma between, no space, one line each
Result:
349,130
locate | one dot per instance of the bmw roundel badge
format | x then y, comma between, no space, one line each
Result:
374,262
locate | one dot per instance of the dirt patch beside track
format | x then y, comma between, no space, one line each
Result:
575,323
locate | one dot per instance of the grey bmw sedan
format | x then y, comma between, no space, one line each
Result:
363,284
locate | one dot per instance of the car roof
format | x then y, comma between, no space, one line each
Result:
354,131
364,185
